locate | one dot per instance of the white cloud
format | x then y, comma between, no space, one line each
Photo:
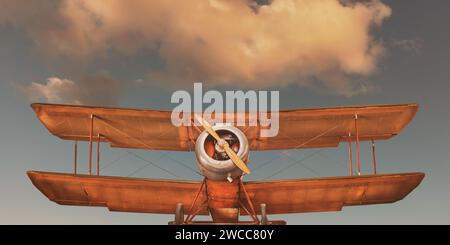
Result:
55,90
99,90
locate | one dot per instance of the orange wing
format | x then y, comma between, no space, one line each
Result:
151,129
281,196
330,194
118,193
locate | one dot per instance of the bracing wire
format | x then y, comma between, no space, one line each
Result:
298,162
332,159
137,156
183,164
299,146
116,160
150,163
265,163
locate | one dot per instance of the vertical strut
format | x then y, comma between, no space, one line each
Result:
374,158
350,154
246,210
249,201
75,149
98,155
191,215
90,144
357,144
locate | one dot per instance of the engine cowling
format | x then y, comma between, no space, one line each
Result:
213,161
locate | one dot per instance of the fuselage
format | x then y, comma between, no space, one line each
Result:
222,176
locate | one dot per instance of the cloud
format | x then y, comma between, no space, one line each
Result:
220,42
99,90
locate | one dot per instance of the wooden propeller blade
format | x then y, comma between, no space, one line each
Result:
233,156
208,127
236,159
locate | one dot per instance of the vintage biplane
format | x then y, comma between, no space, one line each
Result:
222,154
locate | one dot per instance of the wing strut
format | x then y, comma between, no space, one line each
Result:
98,154
350,154
357,144
75,149
90,144
91,139
374,158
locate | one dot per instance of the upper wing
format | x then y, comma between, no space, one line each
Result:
326,127
125,128
151,129
330,194
118,193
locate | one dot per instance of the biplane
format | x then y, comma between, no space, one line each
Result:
222,153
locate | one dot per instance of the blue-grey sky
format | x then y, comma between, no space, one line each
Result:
404,58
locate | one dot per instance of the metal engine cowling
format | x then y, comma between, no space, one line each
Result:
213,161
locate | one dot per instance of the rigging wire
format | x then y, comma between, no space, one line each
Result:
150,163
109,164
134,154
183,164
299,146
317,136
143,143
333,160
265,163
298,162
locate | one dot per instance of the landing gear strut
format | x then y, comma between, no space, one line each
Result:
179,214
264,220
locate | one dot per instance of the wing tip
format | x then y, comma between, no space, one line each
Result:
35,106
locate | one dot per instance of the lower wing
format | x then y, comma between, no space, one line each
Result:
118,193
281,196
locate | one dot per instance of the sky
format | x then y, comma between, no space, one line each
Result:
316,53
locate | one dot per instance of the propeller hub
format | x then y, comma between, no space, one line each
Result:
221,143
219,148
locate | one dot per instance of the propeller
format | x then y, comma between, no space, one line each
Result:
223,143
